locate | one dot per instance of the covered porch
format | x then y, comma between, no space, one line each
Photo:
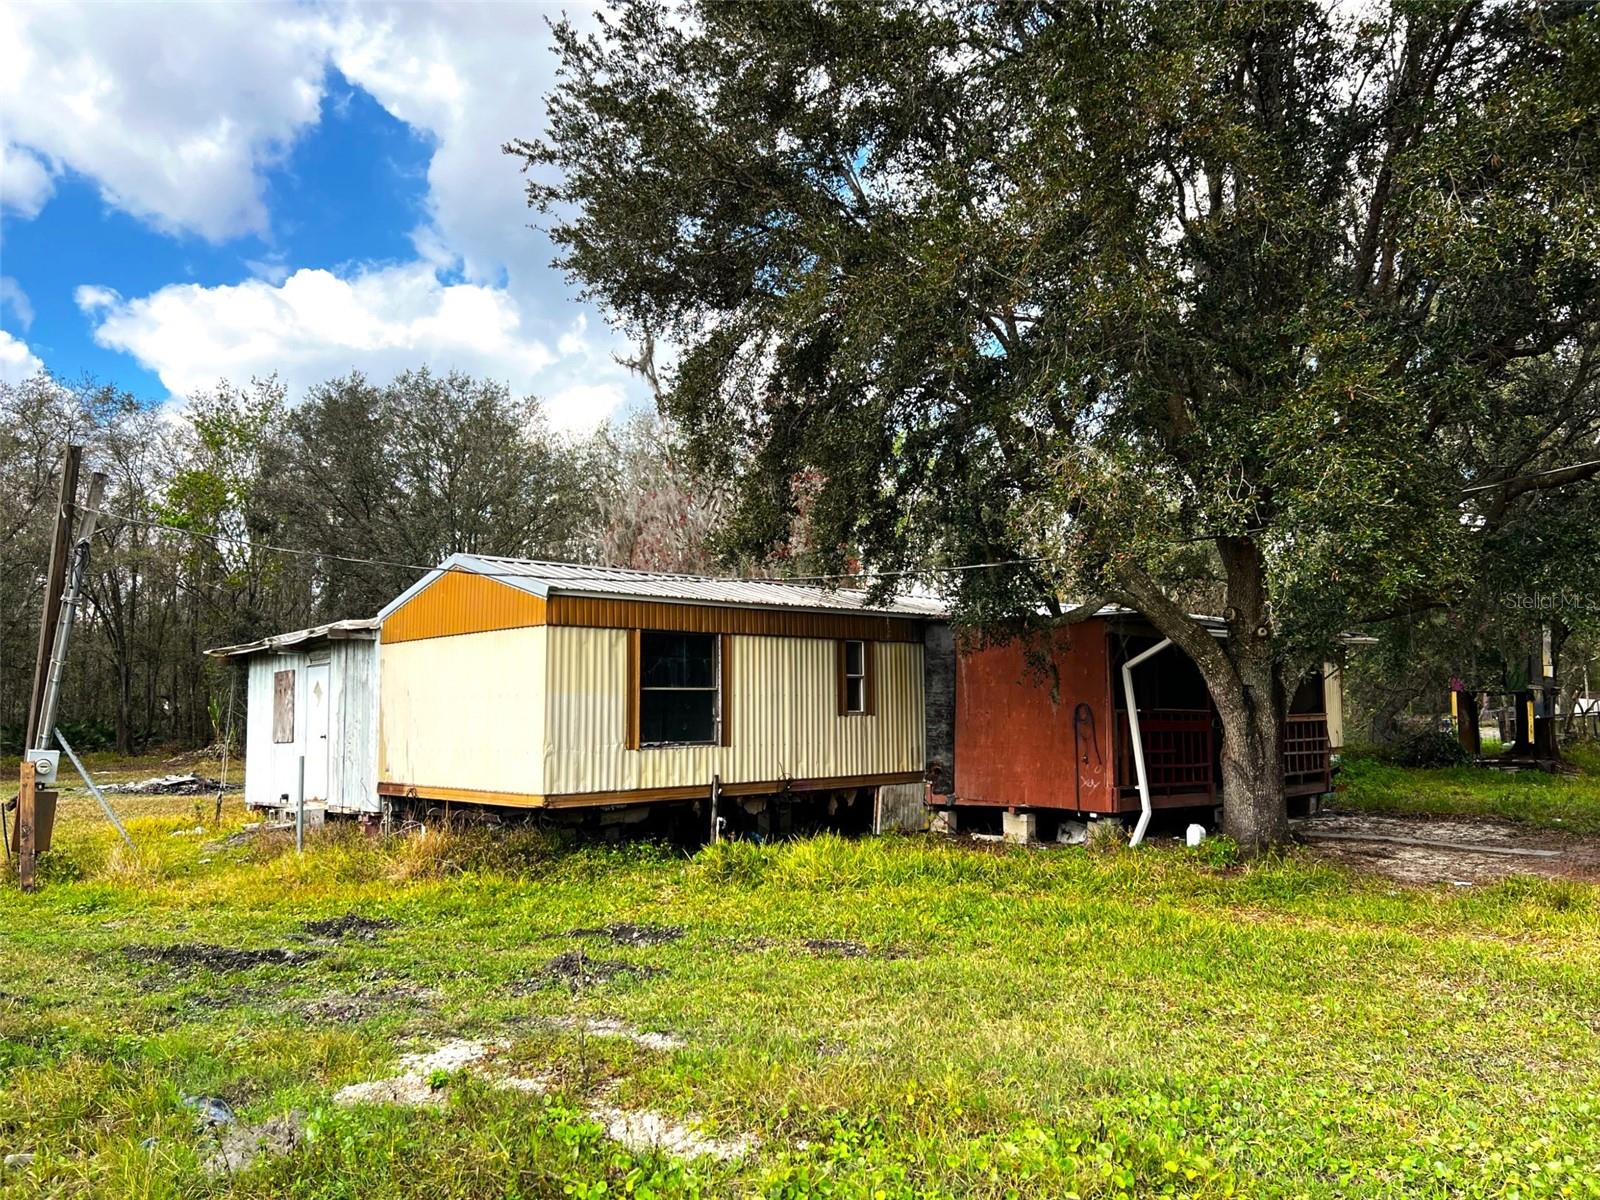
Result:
1182,734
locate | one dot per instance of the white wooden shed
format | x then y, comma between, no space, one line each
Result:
312,693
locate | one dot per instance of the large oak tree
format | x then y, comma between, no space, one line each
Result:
1133,291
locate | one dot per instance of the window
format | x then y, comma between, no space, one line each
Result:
283,706
679,688
855,678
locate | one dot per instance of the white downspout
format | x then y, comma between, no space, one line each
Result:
1137,739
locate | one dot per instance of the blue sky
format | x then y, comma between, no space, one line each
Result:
230,191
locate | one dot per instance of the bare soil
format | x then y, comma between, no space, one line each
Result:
622,933
351,925
217,958
1461,851
578,970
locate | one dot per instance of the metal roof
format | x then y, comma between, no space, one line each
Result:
363,628
545,579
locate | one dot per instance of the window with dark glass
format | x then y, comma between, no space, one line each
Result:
855,677
678,685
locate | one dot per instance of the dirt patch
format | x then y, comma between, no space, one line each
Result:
622,933
351,925
349,1007
643,1131
578,970
415,1085
608,1028
1431,850
844,948
241,1145
189,955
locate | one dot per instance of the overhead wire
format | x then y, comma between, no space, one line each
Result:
220,539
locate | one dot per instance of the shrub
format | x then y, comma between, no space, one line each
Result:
1429,748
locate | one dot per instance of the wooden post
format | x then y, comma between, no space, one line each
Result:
55,581
26,815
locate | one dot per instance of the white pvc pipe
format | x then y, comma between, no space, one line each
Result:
1137,739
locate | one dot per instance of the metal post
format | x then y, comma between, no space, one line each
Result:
300,811
98,795
716,821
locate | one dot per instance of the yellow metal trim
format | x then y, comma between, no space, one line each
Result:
461,602
641,795
596,613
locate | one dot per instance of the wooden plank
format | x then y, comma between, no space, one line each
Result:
27,845
725,693
1432,843
283,707
631,734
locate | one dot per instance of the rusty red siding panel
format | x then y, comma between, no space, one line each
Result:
1016,745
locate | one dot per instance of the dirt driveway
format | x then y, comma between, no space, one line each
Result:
1449,849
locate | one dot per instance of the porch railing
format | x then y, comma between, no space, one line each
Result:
1307,761
1179,751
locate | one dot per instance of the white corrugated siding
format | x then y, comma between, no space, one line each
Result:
464,712
353,736
783,708
272,768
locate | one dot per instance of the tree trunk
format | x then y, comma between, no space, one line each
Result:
1254,811
1243,679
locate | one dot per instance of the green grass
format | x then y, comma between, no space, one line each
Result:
1042,1023
1570,802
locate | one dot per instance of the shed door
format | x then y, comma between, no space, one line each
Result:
317,709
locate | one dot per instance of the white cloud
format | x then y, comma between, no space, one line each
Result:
25,181
17,362
172,111
13,297
317,325
178,112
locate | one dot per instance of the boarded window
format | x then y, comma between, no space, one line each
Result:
679,683
855,678
283,706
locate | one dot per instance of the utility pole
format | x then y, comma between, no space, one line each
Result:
60,551
34,805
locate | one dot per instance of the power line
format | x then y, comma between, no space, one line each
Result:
220,539
1500,483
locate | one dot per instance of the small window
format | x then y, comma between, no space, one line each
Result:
283,707
855,684
679,676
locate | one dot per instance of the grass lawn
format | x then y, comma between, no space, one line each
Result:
1570,802
890,1018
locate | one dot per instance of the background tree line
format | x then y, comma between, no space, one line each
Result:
240,515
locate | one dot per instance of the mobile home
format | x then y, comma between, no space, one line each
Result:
522,684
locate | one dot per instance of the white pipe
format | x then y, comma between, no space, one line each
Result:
1137,739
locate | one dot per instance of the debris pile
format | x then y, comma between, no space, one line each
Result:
168,785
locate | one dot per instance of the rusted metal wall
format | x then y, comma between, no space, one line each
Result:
1025,739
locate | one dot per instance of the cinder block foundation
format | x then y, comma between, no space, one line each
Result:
1020,828
942,820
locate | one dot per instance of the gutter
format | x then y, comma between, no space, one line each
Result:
1137,738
